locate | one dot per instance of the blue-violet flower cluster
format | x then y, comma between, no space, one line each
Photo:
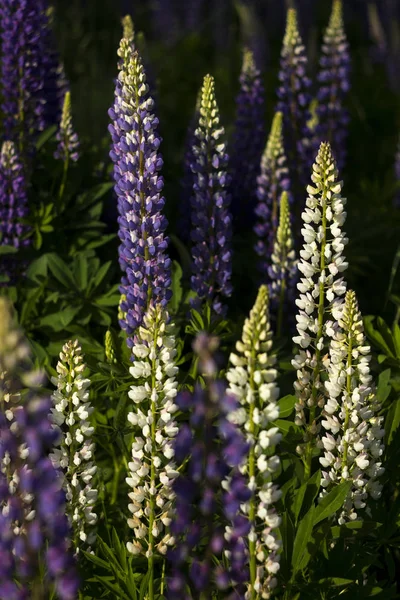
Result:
34,529
207,519
334,84
211,218
137,163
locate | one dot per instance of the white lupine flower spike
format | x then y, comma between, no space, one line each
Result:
152,469
252,379
321,287
352,430
74,454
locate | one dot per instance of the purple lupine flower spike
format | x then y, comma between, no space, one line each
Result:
137,165
207,516
272,182
294,100
68,142
13,211
334,84
34,529
249,139
211,218
28,66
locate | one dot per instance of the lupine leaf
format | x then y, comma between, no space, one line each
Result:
332,502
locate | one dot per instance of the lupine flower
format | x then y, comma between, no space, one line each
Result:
211,219
128,31
283,268
248,140
207,518
34,530
27,70
68,143
321,264
352,430
334,85
137,163
294,99
272,181
74,454
152,469
252,380
13,211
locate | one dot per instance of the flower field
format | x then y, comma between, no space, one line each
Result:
199,300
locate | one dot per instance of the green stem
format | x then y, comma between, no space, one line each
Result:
348,390
152,476
281,307
63,183
316,370
252,475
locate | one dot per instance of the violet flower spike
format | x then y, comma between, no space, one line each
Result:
28,73
211,219
294,100
334,85
249,140
137,165
208,521
321,287
271,183
34,529
68,143
13,210
352,430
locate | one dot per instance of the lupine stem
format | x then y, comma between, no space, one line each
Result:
317,368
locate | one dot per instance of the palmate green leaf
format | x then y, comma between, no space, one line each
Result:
8,250
61,271
384,386
61,319
286,405
332,502
301,552
287,533
392,421
380,335
304,496
347,529
109,584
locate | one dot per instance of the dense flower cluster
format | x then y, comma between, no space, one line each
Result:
29,79
207,519
68,143
252,380
283,268
211,219
353,431
13,198
74,452
321,264
272,181
13,212
137,163
152,469
34,530
248,140
334,84
294,99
